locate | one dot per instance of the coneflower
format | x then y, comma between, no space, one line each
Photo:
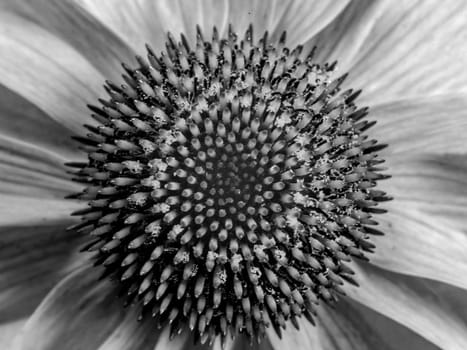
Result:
229,184
232,181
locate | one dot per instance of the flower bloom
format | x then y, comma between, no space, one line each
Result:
270,220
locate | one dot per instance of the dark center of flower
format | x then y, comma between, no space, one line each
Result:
228,184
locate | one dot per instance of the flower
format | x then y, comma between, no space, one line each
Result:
230,177
409,62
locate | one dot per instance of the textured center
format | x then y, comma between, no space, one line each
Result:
228,185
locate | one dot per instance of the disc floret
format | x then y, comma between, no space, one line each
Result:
228,185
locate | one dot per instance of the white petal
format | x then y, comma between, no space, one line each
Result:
148,21
343,327
304,339
416,244
454,297
32,260
303,19
8,331
241,342
136,22
410,302
133,334
25,210
414,49
423,125
343,38
21,120
425,223
433,184
180,342
29,170
184,15
33,148
74,25
377,326
339,328
349,325
79,313
47,72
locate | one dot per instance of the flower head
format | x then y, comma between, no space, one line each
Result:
233,180
268,219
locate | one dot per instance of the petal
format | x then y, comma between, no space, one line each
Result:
21,120
425,223
241,342
376,325
416,244
180,342
304,339
434,184
422,125
184,15
134,334
303,19
8,331
27,169
343,328
135,22
452,297
47,72
147,22
414,49
339,328
350,325
412,303
32,260
31,161
343,38
25,210
79,313
73,24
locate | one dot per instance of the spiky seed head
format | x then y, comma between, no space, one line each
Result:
228,185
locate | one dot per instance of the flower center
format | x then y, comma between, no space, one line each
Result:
228,184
